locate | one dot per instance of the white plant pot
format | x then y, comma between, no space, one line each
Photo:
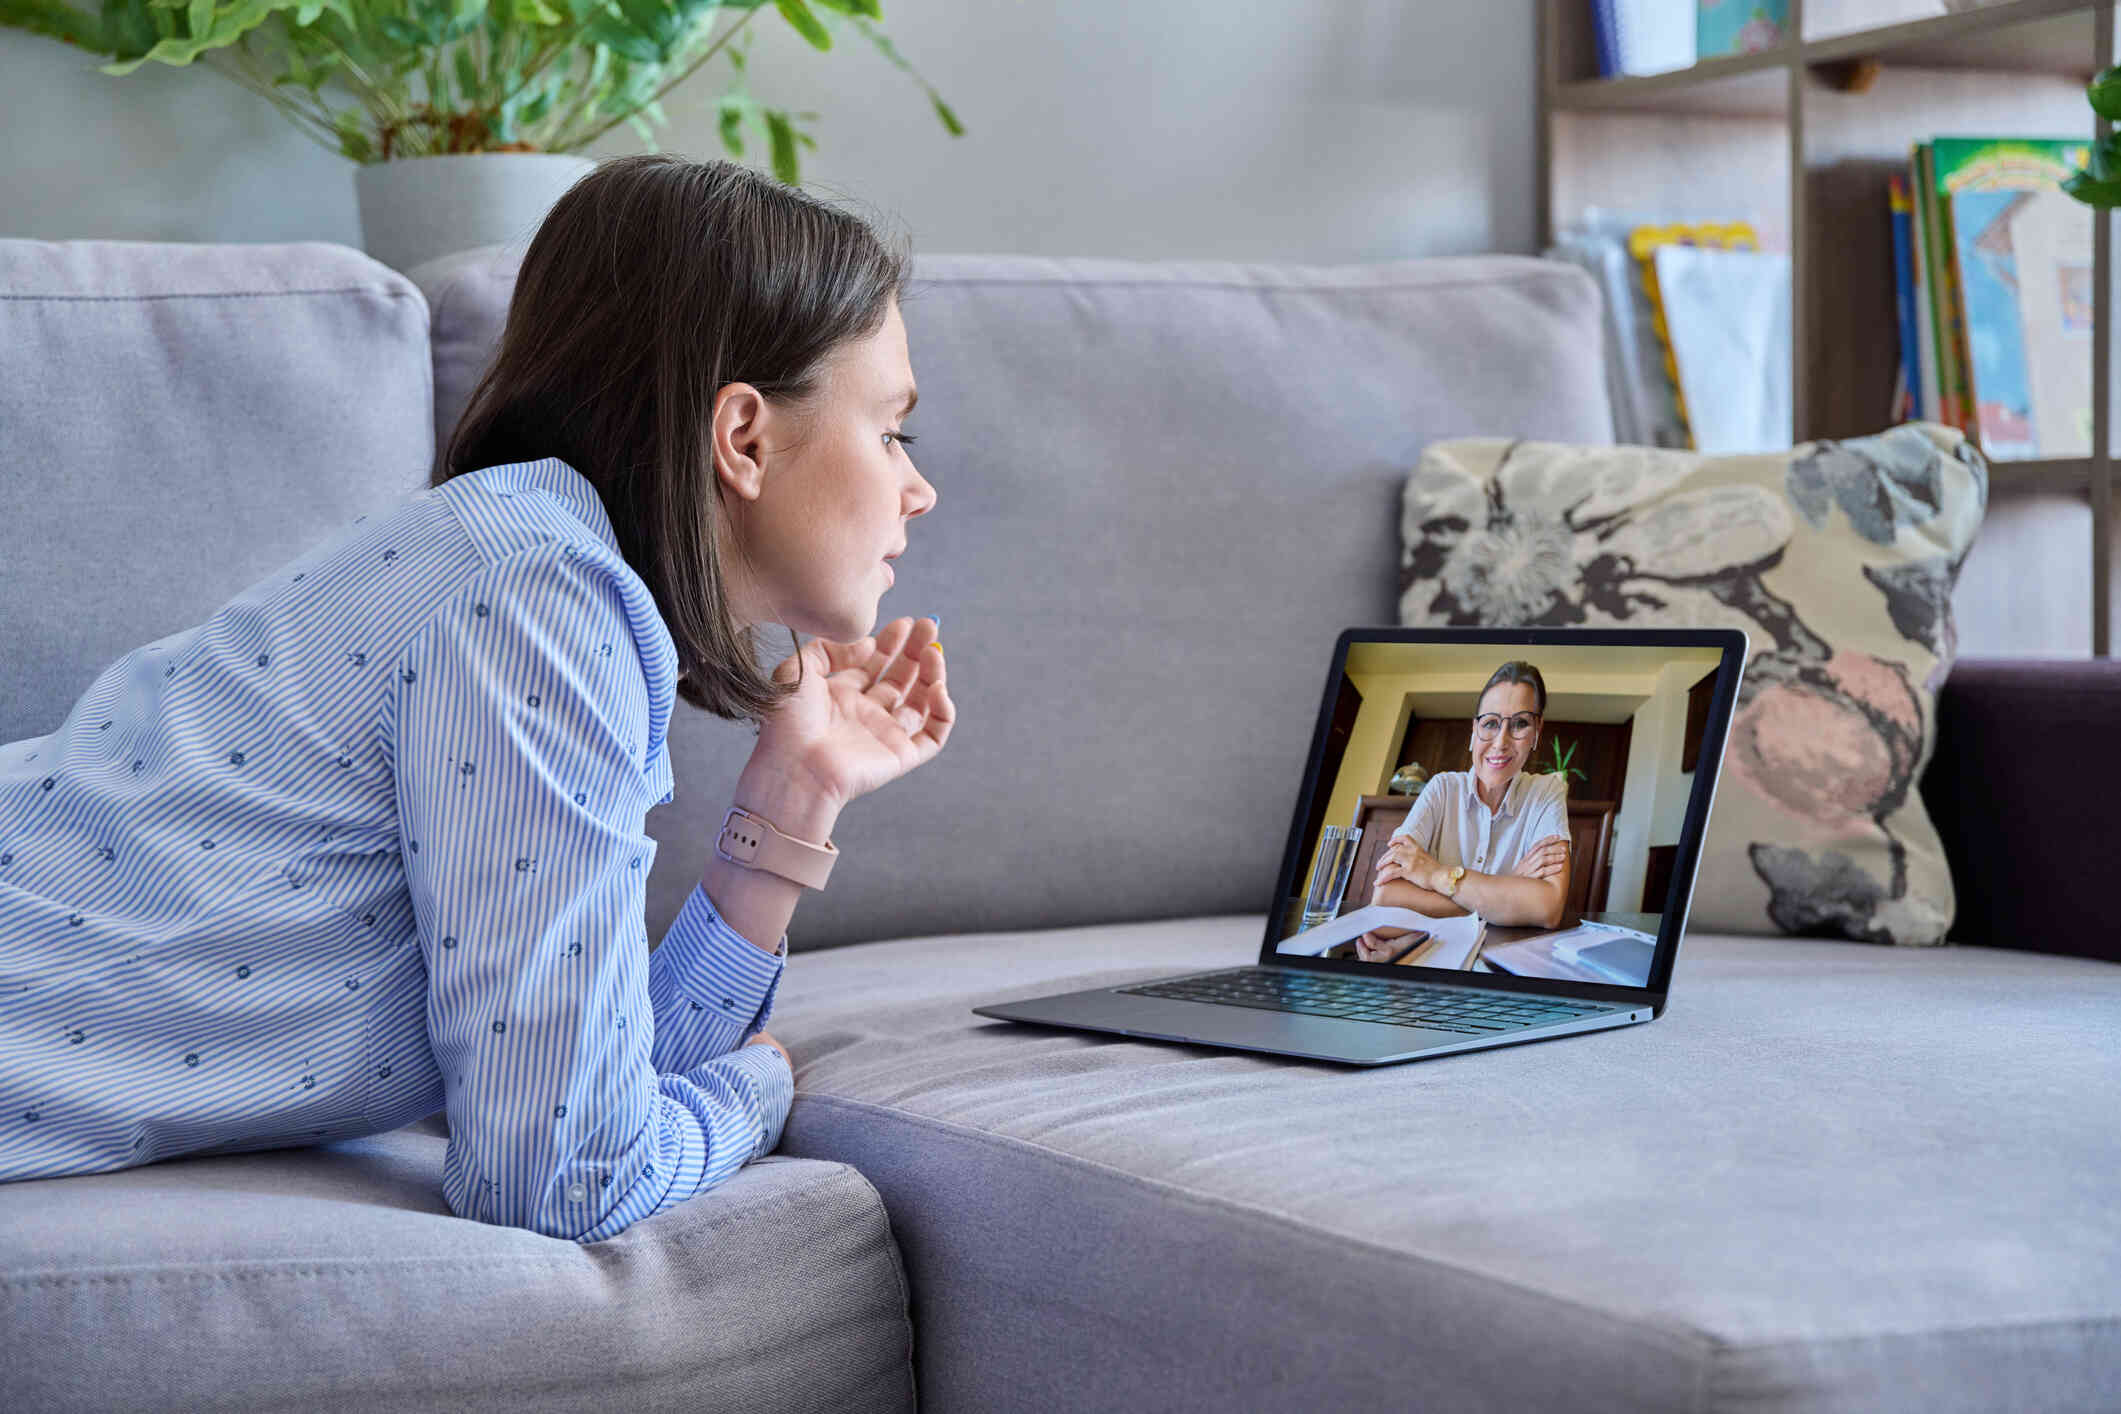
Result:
414,209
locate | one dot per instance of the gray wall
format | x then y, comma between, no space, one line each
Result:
1324,131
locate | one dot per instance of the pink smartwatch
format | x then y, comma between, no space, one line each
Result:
752,842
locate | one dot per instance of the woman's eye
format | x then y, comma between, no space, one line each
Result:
900,437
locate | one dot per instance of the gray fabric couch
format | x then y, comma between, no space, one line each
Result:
1832,1176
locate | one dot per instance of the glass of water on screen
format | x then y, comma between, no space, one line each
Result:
1329,873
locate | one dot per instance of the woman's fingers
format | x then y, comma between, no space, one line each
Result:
918,697
903,658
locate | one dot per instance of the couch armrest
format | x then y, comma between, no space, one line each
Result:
2030,844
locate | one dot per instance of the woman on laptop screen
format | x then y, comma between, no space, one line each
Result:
1492,840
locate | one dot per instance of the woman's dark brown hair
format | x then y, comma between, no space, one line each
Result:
653,283
1517,670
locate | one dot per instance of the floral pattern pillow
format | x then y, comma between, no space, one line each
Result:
1836,558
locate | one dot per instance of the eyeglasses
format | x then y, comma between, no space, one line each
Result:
1488,725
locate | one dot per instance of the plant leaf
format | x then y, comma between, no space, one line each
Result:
731,121
782,134
2104,93
130,31
2092,193
866,8
58,20
656,19
229,26
889,50
619,39
806,24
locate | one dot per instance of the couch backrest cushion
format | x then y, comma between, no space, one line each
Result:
1164,489
177,419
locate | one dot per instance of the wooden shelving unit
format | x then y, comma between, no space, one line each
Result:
1800,140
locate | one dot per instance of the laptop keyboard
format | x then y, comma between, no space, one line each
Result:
1368,999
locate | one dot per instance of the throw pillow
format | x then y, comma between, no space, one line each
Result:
1836,558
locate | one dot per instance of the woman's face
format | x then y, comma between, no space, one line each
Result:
1494,762
817,499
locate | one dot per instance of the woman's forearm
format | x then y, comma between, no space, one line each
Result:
755,903
1399,893
1512,900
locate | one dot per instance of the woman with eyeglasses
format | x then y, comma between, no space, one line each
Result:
1492,840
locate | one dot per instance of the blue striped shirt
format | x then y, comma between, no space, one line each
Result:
366,844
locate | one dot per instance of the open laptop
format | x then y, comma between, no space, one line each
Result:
1638,719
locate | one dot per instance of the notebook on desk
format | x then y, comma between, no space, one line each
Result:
1520,947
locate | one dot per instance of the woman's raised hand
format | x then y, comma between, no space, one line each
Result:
866,713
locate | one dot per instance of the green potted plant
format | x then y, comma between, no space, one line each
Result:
1559,760
495,99
2098,182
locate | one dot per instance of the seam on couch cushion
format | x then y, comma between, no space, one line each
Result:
2012,1327
1704,1344
1530,277
843,1173
898,1271
304,1267
383,290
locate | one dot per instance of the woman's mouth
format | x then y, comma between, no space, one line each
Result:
1497,760
890,574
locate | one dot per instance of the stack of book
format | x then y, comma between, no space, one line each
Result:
1653,36
1697,330
1993,269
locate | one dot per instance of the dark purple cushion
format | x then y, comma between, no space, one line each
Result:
2030,843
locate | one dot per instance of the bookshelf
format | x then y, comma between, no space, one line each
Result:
1800,140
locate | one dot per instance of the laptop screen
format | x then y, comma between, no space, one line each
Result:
1514,805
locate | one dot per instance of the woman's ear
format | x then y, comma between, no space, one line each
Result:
736,431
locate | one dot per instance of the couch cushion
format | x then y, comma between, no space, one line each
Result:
1164,489
1831,1176
1837,559
179,419
334,1276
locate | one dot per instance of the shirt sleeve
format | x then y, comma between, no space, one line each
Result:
1551,815
588,1083
1556,820
1424,823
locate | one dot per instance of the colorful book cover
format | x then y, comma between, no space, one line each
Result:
1947,316
2021,257
1927,396
1643,242
1739,26
1910,380
1602,31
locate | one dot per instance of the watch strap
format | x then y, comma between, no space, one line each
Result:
752,842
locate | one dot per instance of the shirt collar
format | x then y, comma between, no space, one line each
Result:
1512,795
568,486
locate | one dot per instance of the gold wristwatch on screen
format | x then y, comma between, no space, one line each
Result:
1450,887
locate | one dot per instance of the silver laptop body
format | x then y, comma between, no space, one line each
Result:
1377,1013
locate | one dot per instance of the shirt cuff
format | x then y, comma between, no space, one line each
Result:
714,964
774,1083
